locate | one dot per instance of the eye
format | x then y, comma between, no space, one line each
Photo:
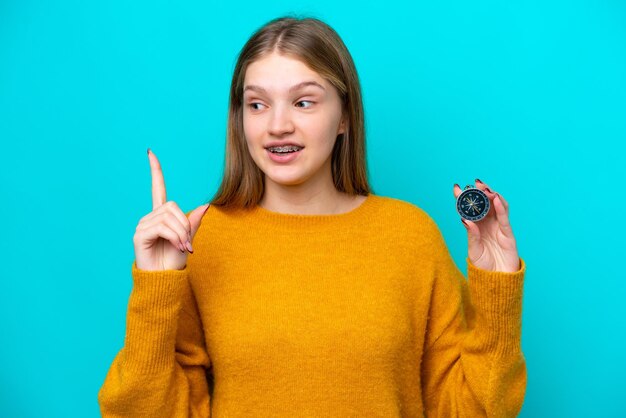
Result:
253,105
305,101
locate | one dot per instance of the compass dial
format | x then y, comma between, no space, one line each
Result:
472,204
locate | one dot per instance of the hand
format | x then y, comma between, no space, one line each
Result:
163,236
491,244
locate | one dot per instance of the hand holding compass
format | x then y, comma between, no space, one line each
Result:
485,214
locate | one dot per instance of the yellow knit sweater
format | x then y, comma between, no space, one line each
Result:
360,314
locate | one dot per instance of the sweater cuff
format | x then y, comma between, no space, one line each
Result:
497,298
152,318
159,282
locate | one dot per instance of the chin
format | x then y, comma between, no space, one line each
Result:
286,181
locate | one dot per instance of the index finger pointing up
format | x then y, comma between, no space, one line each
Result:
158,183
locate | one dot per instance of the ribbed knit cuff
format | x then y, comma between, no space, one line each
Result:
497,299
152,319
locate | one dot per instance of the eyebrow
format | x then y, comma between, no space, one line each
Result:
292,89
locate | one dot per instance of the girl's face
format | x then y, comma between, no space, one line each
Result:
285,102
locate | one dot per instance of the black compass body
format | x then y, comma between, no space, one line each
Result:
472,204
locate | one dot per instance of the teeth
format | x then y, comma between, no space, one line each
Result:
286,148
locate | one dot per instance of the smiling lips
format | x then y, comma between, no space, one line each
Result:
284,157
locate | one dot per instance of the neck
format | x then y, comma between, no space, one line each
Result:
304,199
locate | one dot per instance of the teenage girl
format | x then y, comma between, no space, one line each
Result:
304,293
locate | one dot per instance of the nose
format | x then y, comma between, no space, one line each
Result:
280,122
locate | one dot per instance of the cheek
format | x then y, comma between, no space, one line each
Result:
321,130
251,128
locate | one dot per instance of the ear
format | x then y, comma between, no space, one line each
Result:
342,126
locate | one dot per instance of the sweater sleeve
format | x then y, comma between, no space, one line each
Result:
472,364
161,369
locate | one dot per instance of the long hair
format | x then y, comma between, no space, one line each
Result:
318,46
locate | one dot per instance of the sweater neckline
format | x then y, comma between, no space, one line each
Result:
315,219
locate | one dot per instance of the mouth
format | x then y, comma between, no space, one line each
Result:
284,156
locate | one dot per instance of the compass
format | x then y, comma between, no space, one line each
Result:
472,204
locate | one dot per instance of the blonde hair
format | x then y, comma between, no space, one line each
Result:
320,48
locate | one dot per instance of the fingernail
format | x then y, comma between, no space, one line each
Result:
188,244
457,185
464,223
148,151
180,247
478,180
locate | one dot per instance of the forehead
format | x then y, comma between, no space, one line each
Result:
280,72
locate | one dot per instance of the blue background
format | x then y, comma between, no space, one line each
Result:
528,96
